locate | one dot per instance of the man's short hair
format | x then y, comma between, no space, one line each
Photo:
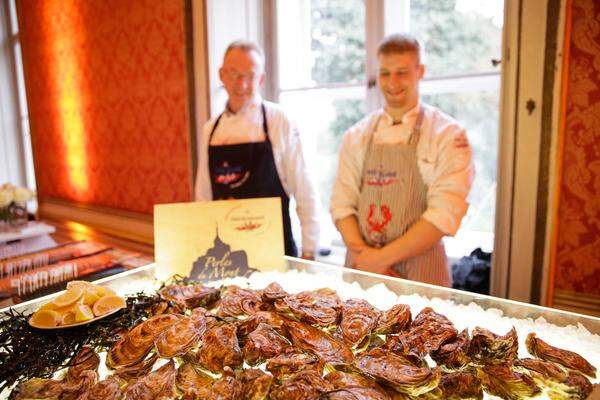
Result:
400,43
246,45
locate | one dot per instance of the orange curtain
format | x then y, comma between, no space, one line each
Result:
108,101
576,251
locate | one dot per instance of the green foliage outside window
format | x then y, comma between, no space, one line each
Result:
338,41
454,43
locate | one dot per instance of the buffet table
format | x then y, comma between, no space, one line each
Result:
142,279
465,310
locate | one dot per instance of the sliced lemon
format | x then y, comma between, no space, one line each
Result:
48,306
63,310
89,296
79,284
51,306
45,318
68,298
107,304
104,291
83,313
68,318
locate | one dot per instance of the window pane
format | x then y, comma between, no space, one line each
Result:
478,113
13,17
20,80
320,42
457,36
323,115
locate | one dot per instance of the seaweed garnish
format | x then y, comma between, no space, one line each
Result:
27,352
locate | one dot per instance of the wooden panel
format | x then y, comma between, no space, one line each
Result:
125,229
575,302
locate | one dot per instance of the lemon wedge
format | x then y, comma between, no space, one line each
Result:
89,297
83,313
68,298
48,306
107,304
45,319
79,284
68,318
104,291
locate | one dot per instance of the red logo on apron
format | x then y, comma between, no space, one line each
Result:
378,225
226,174
227,178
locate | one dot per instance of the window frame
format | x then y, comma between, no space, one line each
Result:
521,78
16,135
376,14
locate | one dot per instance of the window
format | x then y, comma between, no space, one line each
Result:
325,58
322,52
321,57
460,39
14,120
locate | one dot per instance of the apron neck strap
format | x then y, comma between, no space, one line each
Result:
265,125
214,128
416,132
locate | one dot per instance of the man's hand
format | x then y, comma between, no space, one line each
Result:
308,255
373,260
348,227
354,250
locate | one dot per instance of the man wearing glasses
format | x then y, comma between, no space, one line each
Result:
252,149
403,177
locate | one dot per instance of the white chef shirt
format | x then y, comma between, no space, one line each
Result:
247,126
444,158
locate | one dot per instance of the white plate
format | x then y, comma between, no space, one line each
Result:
77,323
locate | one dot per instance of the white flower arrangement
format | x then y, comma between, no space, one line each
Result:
17,194
13,203
6,197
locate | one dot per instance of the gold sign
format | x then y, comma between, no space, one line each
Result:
217,239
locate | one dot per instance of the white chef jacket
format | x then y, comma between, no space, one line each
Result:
247,126
444,158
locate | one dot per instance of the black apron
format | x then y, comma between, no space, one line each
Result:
247,171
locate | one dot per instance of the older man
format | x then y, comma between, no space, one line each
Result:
253,150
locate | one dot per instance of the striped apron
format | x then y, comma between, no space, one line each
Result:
392,198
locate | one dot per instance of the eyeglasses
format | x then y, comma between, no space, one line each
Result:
234,75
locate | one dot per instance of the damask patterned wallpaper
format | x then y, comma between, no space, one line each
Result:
107,95
578,245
